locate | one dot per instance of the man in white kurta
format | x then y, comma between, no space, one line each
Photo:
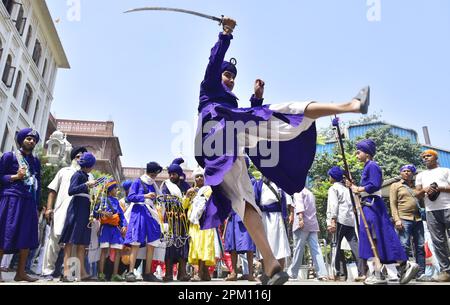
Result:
57,210
273,201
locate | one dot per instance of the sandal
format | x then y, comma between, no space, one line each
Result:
232,277
196,278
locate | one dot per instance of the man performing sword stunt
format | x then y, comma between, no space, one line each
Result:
288,126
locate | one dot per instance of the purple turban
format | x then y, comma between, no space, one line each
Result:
26,132
411,167
153,167
126,185
368,146
229,66
336,173
87,160
175,167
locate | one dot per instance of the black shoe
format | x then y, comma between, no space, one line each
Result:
151,278
364,97
279,277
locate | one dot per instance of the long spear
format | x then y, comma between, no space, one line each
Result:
355,200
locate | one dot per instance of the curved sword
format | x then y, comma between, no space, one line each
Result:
179,10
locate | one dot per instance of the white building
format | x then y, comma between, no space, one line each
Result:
30,55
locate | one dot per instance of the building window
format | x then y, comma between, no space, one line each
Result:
20,21
17,85
8,73
27,96
5,138
29,34
9,5
44,70
36,110
37,52
1,49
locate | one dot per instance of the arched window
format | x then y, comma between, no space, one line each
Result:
44,70
17,85
36,110
37,52
29,35
27,96
20,21
8,73
1,49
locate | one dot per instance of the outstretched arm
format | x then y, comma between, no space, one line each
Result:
213,75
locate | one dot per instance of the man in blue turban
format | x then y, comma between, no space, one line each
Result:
176,187
20,177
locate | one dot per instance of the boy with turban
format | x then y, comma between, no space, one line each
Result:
143,227
76,231
381,228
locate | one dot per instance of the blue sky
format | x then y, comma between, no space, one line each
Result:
143,70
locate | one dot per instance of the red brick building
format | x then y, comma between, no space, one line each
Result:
98,137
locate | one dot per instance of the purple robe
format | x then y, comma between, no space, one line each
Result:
76,227
18,205
388,244
142,228
219,104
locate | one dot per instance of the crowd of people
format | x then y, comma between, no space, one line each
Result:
115,238
159,233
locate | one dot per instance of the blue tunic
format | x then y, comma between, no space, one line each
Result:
76,227
18,205
388,244
142,228
173,253
108,233
219,104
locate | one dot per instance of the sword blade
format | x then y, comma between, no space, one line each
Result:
179,10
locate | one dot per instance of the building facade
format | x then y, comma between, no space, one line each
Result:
30,55
98,137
